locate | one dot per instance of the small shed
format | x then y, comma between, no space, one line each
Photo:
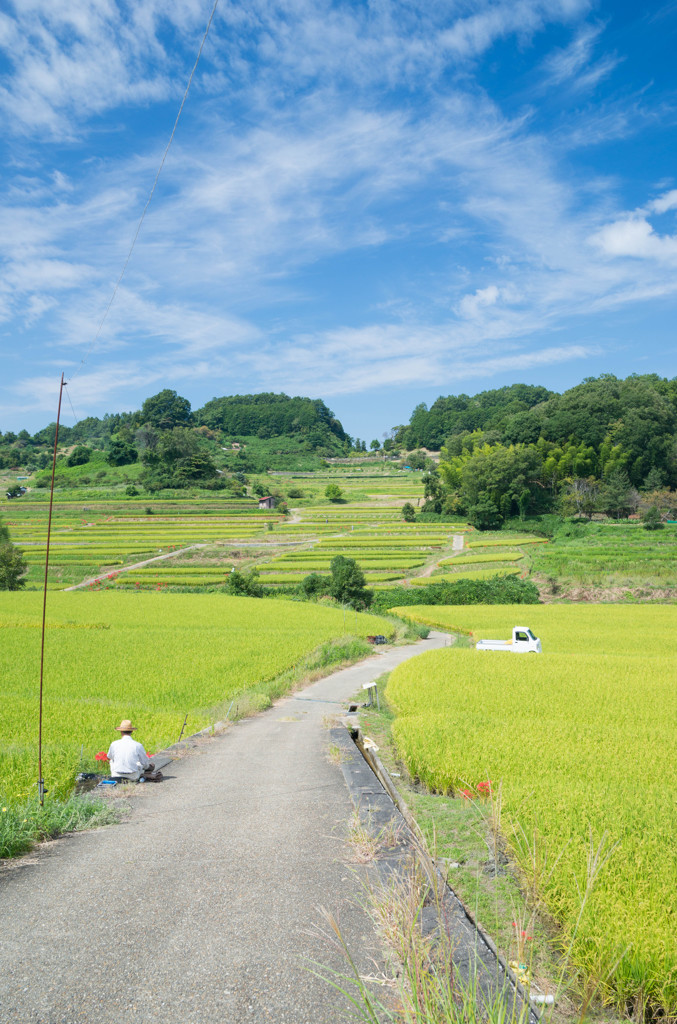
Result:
267,502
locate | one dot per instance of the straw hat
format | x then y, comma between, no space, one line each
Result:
125,726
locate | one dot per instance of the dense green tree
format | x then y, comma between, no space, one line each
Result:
348,583
270,415
80,455
654,480
483,513
166,410
618,498
314,585
13,567
652,519
408,512
178,460
244,584
375,445
333,492
121,453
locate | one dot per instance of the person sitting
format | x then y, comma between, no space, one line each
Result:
128,759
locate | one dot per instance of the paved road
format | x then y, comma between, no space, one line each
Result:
200,906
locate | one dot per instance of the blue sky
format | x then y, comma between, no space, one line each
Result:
371,202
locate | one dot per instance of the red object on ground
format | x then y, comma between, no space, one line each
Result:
101,756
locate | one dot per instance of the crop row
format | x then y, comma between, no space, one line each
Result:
323,566
297,577
499,556
127,581
501,542
469,574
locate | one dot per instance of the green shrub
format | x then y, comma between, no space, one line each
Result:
495,590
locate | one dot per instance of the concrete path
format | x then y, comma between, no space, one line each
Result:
201,906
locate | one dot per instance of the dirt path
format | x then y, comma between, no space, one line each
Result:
456,545
137,565
202,905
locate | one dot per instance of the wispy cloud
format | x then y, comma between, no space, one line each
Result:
341,190
574,65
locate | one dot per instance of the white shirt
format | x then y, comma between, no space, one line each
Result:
126,756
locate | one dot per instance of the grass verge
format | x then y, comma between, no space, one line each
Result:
24,824
463,833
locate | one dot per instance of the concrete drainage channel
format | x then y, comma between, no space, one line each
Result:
380,807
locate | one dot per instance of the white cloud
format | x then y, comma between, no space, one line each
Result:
470,305
302,158
633,235
668,201
573,64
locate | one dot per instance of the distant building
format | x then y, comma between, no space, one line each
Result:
267,502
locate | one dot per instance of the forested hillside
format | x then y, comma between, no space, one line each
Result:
606,445
167,445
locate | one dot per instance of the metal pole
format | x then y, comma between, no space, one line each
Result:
41,781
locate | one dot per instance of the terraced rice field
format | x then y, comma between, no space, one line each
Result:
90,539
605,555
506,541
147,657
471,574
391,552
581,742
499,556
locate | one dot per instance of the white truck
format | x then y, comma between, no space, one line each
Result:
523,642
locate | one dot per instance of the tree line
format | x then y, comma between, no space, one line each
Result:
606,445
176,445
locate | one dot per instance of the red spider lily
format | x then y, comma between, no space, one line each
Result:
467,794
484,787
101,756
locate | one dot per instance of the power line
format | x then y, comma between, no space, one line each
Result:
148,201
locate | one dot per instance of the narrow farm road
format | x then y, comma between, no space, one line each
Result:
456,545
201,906
137,565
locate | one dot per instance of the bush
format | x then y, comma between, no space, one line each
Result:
79,456
333,492
495,590
484,515
131,491
315,585
244,584
13,568
408,512
347,583
652,519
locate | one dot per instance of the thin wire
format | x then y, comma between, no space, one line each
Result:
75,418
141,219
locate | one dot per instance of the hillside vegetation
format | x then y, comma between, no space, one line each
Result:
606,446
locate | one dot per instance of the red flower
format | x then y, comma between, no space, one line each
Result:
101,756
466,794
